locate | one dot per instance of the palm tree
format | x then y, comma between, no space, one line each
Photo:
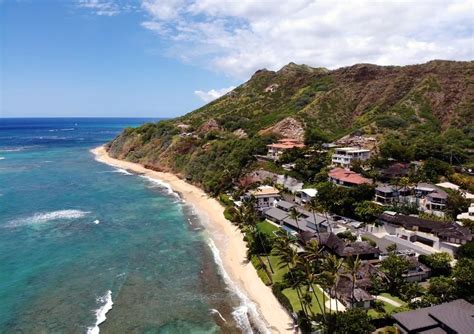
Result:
313,255
294,214
310,279
332,265
313,205
288,258
352,266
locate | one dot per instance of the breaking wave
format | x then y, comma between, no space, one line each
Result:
246,312
122,171
163,185
43,217
101,313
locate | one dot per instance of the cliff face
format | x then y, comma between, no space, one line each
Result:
407,101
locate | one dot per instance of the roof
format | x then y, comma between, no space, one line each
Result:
352,149
265,191
396,169
348,176
444,229
448,185
385,188
457,315
276,213
285,204
309,191
425,187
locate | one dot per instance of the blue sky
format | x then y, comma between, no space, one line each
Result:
164,58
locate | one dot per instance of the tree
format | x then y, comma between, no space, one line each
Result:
456,204
394,267
466,250
440,263
352,266
392,248
294,214
442,289
368,211
463,275
354,320
331,265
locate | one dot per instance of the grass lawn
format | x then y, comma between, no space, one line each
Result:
293,298
395,299
267,228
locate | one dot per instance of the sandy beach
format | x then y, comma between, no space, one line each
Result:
228,240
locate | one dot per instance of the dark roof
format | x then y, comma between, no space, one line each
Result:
396,169
276,213
337,246
285,205
457,315
359,248
385,188
444,229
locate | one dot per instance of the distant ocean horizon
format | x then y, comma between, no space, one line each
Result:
83,244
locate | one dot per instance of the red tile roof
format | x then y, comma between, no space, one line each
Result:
348,176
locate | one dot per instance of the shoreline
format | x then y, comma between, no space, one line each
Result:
227,239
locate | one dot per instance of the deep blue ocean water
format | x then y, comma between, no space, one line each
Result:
78,238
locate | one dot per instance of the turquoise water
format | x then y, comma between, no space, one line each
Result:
79,238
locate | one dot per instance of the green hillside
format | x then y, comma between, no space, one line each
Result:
415,112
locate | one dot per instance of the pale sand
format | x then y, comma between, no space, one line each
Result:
227,239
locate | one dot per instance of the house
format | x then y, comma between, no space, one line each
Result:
305,222
432,199
361,297
453,317
348,178
467,215
275,150
452,186
388,194
304,196
417,271
345,156
442,236
265,196
333,244
395,171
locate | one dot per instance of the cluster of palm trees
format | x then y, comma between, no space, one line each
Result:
312,269
308,270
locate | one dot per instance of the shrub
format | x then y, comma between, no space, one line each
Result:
370,241
277,289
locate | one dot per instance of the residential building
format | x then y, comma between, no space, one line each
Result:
441,236
467,215
345,156
304,196
265,196
431,198
348,178
387,194
417,271
331,243
275,150
453,317
395,171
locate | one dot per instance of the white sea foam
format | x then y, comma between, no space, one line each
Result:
43,217
97,221
13,149
106,305
214,311
122,171
247,309
162,184
2,158
68,129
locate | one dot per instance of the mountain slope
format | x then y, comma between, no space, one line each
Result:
413,104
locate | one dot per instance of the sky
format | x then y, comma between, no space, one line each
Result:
164,58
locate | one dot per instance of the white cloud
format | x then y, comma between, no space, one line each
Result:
212,94
239,37
100,7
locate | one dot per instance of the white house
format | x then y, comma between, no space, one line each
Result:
304,196
266,196
467,215
344,156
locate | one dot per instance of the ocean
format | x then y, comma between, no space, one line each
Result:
84,244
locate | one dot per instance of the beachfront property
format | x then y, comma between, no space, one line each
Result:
467,215
346,177
453,317
306,221
265,197
439,236
345,156
332,244
305,196
275,150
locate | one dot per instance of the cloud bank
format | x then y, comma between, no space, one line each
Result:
212,94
